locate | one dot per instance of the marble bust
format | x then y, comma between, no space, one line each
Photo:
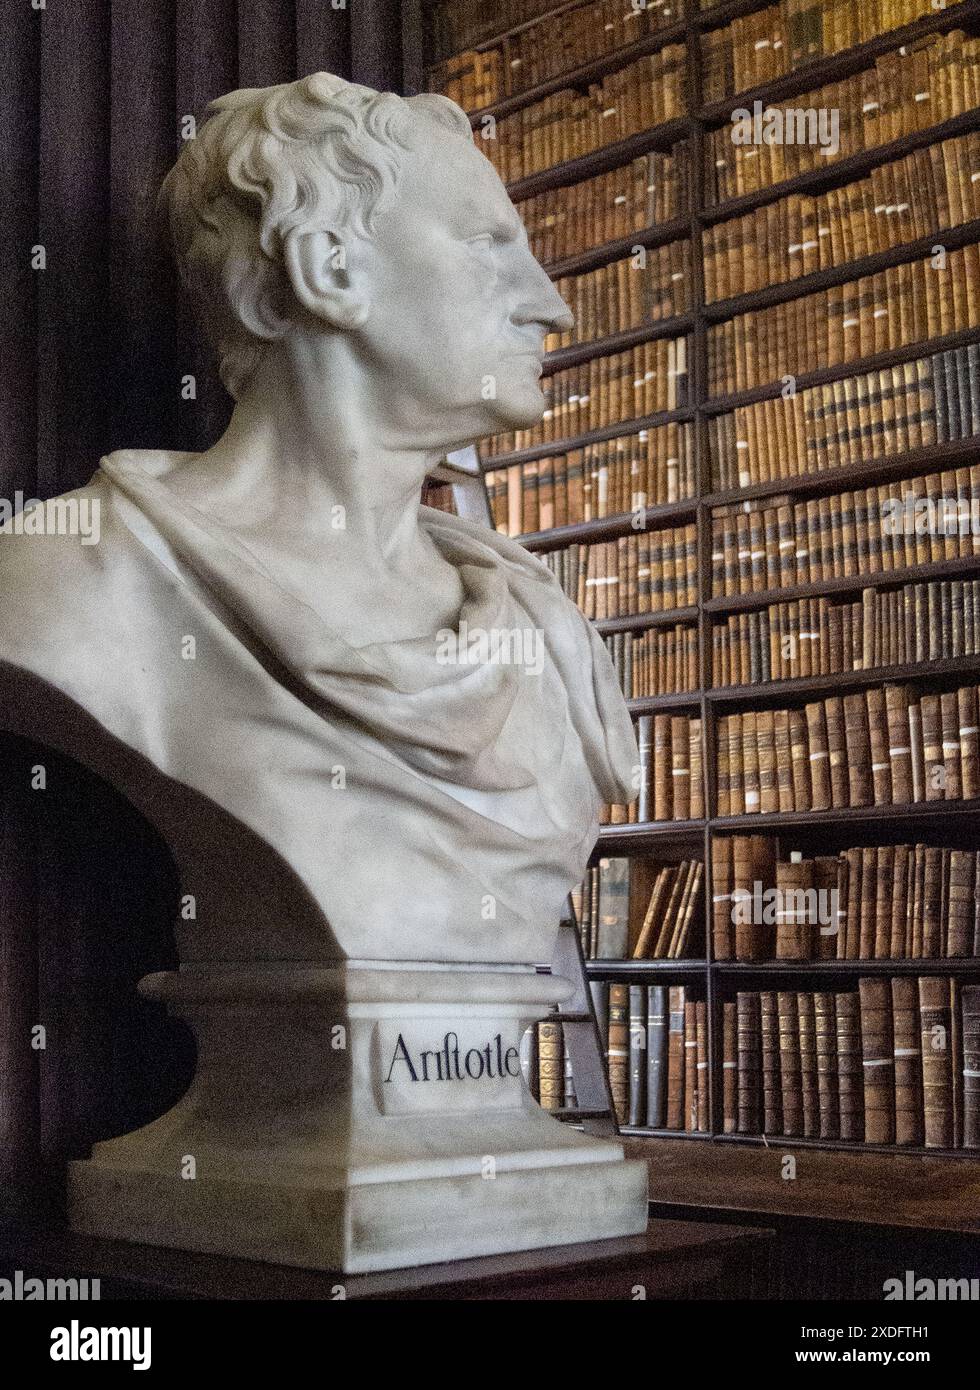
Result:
375,832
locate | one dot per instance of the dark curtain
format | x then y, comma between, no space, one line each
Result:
94,343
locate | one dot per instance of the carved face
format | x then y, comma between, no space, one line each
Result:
459,307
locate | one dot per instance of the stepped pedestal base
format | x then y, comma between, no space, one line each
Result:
358,1118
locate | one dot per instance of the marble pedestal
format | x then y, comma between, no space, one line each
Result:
363,1116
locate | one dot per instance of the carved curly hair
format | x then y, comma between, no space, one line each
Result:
320,152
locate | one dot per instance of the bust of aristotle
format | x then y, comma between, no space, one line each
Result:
255,650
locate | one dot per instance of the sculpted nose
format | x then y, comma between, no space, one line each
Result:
540,302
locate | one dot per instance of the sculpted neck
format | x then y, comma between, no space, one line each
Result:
311,455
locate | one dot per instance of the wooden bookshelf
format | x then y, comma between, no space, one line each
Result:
668,841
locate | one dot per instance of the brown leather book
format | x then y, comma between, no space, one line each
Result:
772,1095
619,1055
808,1064
675,1059
703,1082
899,743
899,901
662,768
932,748
766,739
789,1062
551,1069
819,756
908,1060
966,699
869,902
722,877
749,1063
881,768
750,763
828,1094
837,751
884,878
799,755
680,767
956,1027
795,931
960,903
850,1078
937,1061
729,1019
645,742
970,1007
878,1056
949,724
690,1066
859,757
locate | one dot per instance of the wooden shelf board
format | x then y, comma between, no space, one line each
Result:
737,696
598,161
638,621
959,568
922,1191
925,812
674,327
677,229
657,517
620,430
612,969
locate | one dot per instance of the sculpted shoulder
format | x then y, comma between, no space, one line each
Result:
57,570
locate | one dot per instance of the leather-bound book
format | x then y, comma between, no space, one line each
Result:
850,1077
881,768
828,1095
960,903
837,751
808,1064
859,756
970,1007
789,1062
750,763
729,1065
918,750
908,1060
969,732
827,926
772,1096
794,931
950,731
956,1028
878,1055
800,760
749,1063
619,1042
675,1058
703,1082
656,1112
766,738
637,1054
662,768
899,743
884,877
680,768
722,880
819,756
932,748
899,901
869,901
551,1068
690,1066
932,903
656,911
697,771
784,762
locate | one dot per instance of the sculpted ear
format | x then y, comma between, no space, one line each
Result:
316,264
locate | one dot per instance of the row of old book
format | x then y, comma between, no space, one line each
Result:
599,480
887,746
879,313
546,50
777,543
605,391
567,124
453,25
651,284
671,778
878,415
817,636
652,189
771,42
908,90
876,902
652,572
922,195
660,661
614,893
897,1062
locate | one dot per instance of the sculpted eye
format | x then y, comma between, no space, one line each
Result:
482,243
